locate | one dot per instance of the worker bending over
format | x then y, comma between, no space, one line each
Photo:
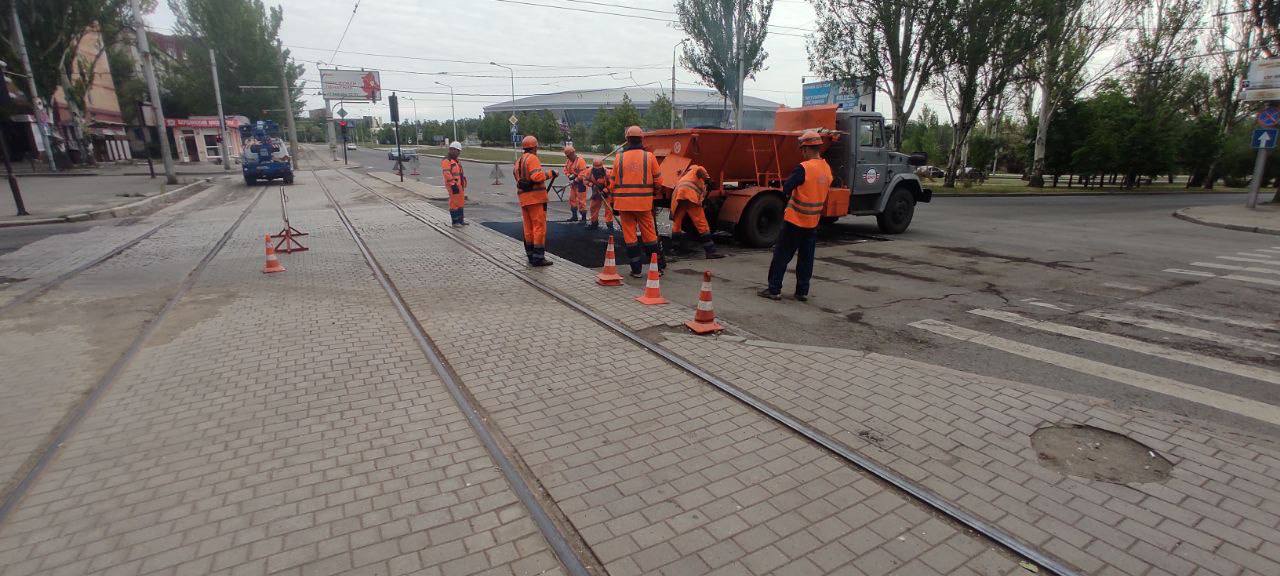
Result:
598,179
574,168
455,181
687,200
807,188
635,178
531,187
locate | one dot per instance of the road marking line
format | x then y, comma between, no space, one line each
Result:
1123,286
1252,255
1191,272
1210,317
1253,260
1132,345
1160,385
1036,302
1172,328
1267,250
1253,280
1257,269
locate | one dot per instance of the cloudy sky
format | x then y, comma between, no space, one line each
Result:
553,45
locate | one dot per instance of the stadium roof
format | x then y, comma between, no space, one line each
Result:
640,96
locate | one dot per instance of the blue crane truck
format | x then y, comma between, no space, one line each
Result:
265,155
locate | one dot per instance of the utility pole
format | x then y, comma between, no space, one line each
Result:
149,70
515,152
222,119
288,107
742,80
41,127
673,82
453,114
146,148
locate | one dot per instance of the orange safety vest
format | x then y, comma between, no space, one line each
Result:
529,170
453,175
692,186
805,207
576,168
635,175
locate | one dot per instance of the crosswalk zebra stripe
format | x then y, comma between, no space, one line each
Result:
1191,272
1253,280
1274,326
1256,345
1133,345
1252,260
1254,255
1158,384
1254,269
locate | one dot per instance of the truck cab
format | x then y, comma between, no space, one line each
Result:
864,168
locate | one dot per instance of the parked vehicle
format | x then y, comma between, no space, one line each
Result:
351,145
265,155
405,155
930,172
748,167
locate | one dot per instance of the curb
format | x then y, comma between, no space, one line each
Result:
115,211
1182,215
55,174
937,194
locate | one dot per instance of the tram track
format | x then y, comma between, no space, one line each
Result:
1008,541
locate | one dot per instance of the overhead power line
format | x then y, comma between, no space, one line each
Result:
636,16
344,29
478,62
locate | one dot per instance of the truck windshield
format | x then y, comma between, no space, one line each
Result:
869,133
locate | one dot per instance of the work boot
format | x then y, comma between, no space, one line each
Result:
712,254
465,223
802,297
593,226
573,218
541,263
637,271
766,293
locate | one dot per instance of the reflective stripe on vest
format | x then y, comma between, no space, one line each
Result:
810,197
522,173
644,174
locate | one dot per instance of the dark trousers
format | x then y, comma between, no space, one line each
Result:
792,239
456,216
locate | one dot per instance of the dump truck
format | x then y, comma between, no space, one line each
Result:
749,166
265,155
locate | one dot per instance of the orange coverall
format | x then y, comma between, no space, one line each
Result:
532,189
575,168
455,181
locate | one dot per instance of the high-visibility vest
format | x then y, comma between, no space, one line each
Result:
577,169
691,187
453,175
805,207
635,174
529,170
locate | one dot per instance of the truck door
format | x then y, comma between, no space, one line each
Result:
870,161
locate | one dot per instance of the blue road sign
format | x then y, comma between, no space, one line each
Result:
1265,138
1269,117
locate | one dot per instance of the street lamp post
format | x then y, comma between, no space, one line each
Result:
515,152
453,115
673,80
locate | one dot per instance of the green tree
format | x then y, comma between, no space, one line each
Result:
611,125
725,34
244,34
494,130
658,116
1109,121
580,134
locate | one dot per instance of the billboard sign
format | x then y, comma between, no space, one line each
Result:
828,92
1263,75
351,85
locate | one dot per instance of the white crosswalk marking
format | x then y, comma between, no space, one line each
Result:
1253,280
1253,255
1191,272
1204,396
1133,345
1252,260
1254,269
1256,345
1274,326
1268,251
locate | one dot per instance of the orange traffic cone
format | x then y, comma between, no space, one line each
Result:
652,292
704,318
273,264
609,275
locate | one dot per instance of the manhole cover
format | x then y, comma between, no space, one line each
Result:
1098,454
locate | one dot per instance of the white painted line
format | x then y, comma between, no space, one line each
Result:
1124,286
1133,345
1048,305
1257,269
1268,251
1252,260
1253,280
1202,316
1191,272
1253,255
1160,385
1172,328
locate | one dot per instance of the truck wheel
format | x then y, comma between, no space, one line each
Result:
288,178
762,221
897,213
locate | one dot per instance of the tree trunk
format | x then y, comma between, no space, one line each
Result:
1210,176
1042,135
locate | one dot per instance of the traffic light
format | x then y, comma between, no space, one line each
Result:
395,107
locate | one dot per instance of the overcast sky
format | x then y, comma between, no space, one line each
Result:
571,40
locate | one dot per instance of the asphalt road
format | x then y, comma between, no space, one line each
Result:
1055,259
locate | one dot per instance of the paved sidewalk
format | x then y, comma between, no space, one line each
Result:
966,437
1265,219
281,424
74,198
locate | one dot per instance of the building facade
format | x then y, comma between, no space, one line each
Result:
694,106
196,138
96,120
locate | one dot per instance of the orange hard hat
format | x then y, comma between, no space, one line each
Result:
634,132
569,149
529,142
598,163
810,138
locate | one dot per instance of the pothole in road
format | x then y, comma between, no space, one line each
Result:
1097,454
5,281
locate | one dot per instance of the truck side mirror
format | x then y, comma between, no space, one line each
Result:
918,159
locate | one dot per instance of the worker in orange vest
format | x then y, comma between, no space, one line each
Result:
807,189
531,187
598,178
575,167
635,179
687,200
455,181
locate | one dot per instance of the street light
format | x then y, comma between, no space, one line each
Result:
452,113
673,80
515,152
